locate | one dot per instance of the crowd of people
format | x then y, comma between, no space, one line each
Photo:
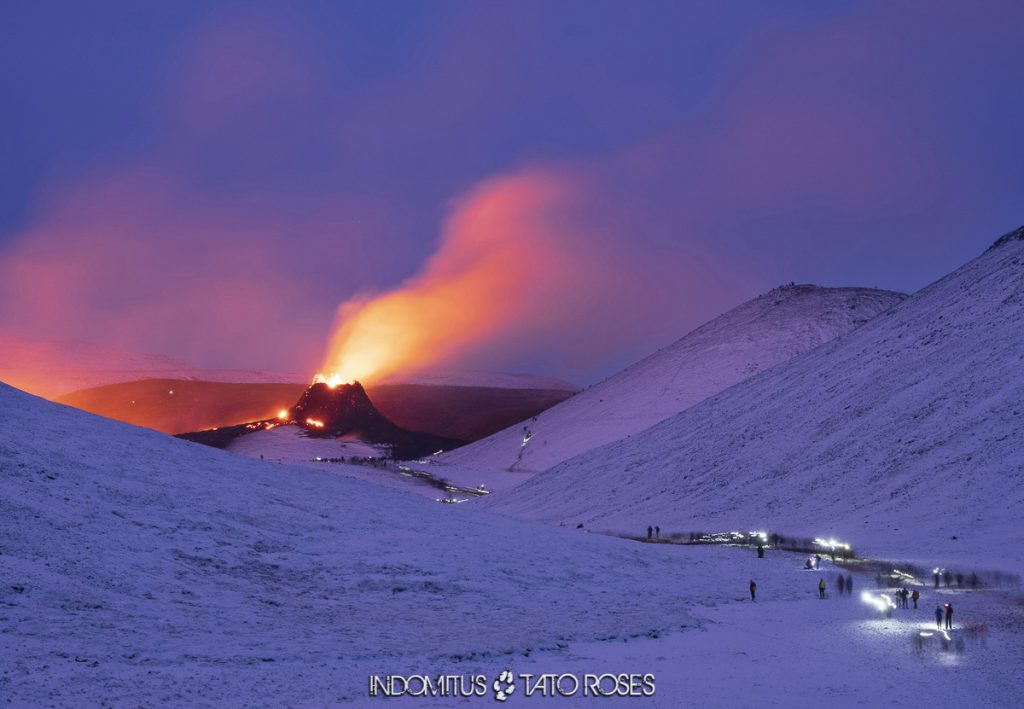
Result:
904,597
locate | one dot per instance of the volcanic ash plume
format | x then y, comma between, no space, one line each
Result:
498,264
535,262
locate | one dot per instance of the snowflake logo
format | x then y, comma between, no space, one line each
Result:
503,686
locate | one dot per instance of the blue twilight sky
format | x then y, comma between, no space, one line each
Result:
212,180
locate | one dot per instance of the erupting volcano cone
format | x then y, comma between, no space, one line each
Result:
334,412
340,411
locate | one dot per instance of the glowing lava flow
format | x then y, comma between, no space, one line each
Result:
332,380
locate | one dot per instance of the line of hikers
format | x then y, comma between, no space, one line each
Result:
653,532
903,596
946,576
945,611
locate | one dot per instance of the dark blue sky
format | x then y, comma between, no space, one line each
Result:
212,179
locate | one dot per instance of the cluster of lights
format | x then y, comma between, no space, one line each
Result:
734,537
904,577
314,423
832,544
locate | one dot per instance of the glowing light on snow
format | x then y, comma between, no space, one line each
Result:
882,604
831,543
283,414
315,423
905,577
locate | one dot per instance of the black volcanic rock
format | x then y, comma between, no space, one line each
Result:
343,410
332,412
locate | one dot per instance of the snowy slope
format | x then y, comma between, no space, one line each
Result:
140,570
748,339
144,570
906,435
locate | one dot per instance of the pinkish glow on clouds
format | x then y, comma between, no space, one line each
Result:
647,170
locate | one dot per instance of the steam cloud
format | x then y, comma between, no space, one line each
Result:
529,261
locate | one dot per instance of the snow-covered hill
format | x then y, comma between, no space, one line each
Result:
141,570
907,435
744,341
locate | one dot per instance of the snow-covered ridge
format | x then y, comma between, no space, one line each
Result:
906,434
752,337
1015,235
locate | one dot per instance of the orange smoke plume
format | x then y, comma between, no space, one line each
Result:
498,246
528,263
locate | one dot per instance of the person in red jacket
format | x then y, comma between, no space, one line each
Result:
949,616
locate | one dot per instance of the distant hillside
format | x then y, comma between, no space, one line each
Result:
906,433
756,335
465,413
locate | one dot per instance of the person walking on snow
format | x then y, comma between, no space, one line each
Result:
821,589
657,531
938,617
915,595
817,561
949,616
650,532
849,584
840,584
753,590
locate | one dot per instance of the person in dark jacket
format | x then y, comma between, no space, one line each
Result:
915,595
849,584
949,616
821,589
840,584
760,551
650,532
938,617
753,590
657,531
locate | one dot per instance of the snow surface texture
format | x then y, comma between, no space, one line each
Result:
141,569
904,437
760,333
